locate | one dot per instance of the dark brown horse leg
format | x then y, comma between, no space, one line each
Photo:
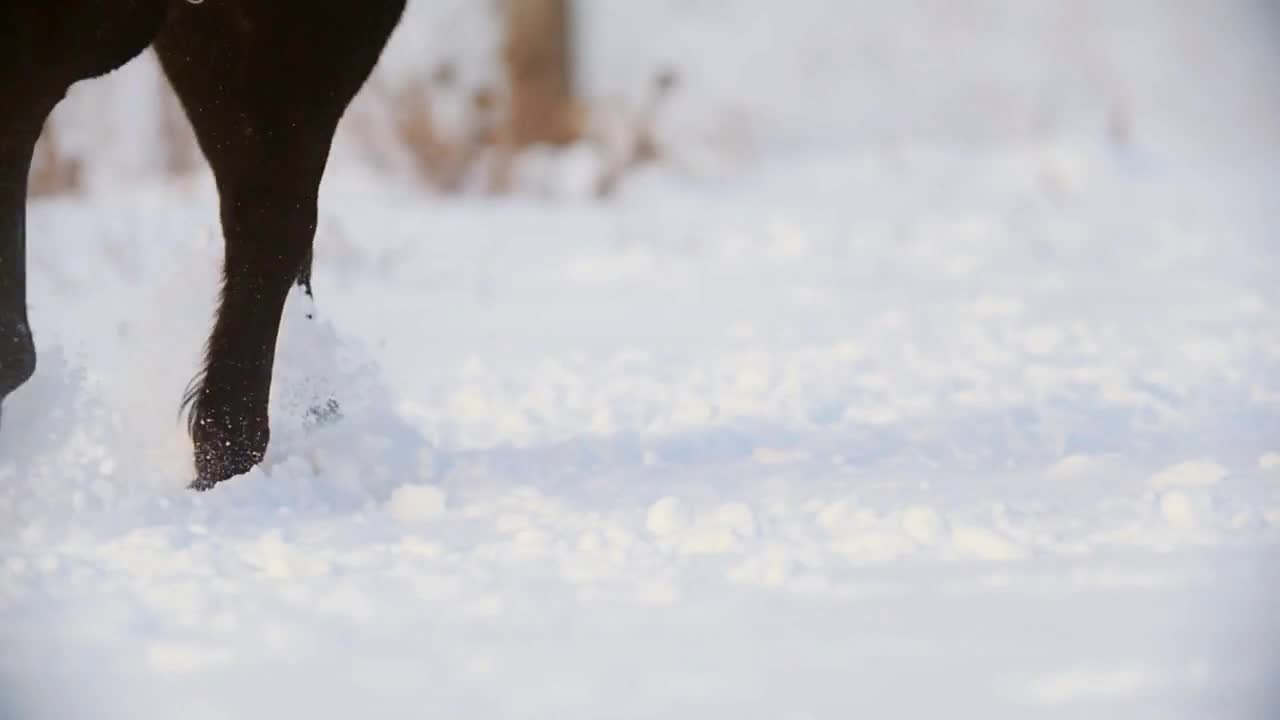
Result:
20,124
268,193
268,230
45,47
264,85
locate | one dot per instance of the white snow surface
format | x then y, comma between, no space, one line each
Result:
929,410
988,432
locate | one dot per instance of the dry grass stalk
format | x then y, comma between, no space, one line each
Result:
52,171
537,107
178,140
443,161
641,147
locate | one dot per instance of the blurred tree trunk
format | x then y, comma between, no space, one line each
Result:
539,66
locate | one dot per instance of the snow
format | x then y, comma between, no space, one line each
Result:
1269,461
1191,473
979,420
416,503
725,449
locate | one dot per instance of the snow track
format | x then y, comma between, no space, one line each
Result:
911,433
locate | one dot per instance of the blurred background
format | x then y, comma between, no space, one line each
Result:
576,96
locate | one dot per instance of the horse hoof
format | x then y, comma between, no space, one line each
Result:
223,462
206,481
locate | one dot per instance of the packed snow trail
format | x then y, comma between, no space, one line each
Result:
991,433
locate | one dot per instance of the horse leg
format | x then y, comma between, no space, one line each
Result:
20,126
264,85
44,49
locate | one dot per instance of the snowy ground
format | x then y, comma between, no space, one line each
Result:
906,395
917,432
